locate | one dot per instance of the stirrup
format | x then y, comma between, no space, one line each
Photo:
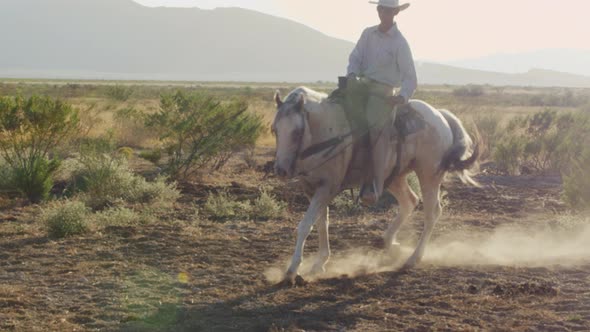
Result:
375,191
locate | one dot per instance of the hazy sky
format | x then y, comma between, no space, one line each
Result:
436,29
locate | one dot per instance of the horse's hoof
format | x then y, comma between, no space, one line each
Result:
393,248
378,243
317,270
288,282
299,281
410,264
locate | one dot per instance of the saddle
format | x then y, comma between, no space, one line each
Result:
407,121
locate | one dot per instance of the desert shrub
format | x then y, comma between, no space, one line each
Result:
119,92
267,206
508,154
574,131
223,206
414,183
129,128
576,178
566,98
544,141
249,158
345,204
107,181
118,216
35,180
489,128
104,144
198,130
151,155
66,218
30,130
6,177
125,152
469,91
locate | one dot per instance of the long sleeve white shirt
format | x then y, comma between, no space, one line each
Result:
385,58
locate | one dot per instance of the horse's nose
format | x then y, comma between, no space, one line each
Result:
280,171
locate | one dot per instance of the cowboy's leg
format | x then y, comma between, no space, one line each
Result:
380,117
355,104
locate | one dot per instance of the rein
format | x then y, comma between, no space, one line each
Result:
300,137
319,147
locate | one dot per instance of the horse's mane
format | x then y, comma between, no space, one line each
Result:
309,94
313,99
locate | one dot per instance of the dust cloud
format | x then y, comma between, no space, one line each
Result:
504,246
509,245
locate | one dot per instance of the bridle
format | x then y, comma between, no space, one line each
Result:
300,134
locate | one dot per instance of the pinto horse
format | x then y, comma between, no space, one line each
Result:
314,144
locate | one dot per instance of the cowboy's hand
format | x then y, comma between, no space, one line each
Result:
396,100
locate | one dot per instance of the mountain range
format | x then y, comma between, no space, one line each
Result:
563,60
120,39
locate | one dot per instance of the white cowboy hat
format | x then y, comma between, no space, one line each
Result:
391,4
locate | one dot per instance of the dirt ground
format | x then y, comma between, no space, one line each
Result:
503,257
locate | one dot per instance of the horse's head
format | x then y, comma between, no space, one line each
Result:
291,131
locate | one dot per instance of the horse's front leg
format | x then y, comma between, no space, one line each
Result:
318,203
324,242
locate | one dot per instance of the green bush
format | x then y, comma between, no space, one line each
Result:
198,130
544,141
489,128
508,154
107,181
6,176
223,206
104,144
346,205
129,128
151,155
266,206
125,152
66,219
577,181
30,130
469,91
35,180
119,216
119,92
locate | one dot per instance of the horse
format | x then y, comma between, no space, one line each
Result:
314,144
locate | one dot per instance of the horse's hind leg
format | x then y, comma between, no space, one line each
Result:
407,201
430,187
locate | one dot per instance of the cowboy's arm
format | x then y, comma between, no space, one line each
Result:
405,62
356,57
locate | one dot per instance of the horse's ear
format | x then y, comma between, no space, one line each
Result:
278,99
300,103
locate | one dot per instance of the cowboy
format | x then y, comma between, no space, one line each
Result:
380,62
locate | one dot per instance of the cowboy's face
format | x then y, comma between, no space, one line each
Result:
386,14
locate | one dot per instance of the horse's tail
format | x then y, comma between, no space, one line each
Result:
463,154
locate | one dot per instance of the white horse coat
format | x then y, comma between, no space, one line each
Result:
306,118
